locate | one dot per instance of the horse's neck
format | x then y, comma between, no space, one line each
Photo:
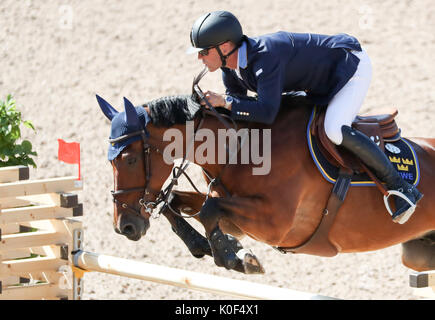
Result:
289,127
179,137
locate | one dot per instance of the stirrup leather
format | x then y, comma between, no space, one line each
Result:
399,194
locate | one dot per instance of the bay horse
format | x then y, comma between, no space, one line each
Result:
282,209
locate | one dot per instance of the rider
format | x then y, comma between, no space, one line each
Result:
332,70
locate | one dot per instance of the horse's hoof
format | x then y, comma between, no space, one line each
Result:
198,256
250,263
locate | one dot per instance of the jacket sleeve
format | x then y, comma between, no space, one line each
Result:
263,109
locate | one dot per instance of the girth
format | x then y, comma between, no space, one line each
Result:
318,243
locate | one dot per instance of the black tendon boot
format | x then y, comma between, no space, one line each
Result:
406,195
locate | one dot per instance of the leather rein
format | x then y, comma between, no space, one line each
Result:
163,195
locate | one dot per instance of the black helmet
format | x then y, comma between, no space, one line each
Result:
213,29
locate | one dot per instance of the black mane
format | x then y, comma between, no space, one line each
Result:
172,110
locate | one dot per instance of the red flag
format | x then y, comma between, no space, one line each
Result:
69,152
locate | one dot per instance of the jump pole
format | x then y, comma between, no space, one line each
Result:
241,289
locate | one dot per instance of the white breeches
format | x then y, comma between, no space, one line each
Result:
345,105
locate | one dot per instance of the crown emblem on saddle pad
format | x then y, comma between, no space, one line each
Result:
408,162
402,167
394,159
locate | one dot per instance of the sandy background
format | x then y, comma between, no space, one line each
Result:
55,55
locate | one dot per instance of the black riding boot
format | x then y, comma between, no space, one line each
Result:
372,156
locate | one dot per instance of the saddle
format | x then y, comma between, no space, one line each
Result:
380,128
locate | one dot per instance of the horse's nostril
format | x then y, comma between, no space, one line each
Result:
128,230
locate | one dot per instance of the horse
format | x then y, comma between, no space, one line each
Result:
282,209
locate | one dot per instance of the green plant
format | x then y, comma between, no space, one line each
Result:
12,152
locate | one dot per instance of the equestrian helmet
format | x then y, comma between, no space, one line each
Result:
213,29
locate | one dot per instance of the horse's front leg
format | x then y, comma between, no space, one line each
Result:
226,249
188,202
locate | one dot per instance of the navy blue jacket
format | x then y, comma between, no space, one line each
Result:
282,62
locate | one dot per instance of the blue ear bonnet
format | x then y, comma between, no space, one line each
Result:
120,127
133,119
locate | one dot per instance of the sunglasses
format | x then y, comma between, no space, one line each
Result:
205,52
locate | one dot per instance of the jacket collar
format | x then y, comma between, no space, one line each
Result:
242,59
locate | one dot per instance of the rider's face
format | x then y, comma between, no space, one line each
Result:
212,60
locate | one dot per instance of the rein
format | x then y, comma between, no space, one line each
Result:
181,170
177,171
163,195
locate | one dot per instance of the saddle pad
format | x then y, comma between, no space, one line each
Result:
400,153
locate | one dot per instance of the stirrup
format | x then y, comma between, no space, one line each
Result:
406,214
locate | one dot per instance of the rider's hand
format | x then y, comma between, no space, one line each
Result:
215,99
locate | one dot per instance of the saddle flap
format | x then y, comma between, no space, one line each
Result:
341,157
372,130
376,126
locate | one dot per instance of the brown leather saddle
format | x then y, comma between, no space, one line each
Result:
380,128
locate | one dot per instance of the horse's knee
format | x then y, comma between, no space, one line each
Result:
195,242
419,254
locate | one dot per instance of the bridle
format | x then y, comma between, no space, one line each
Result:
146,202
163,195
143,202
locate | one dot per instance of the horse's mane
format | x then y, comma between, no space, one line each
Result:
172,110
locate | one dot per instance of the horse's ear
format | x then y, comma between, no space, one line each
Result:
107,109
131,114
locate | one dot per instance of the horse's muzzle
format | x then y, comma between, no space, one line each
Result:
132,226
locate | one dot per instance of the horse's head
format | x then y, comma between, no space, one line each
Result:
130,154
